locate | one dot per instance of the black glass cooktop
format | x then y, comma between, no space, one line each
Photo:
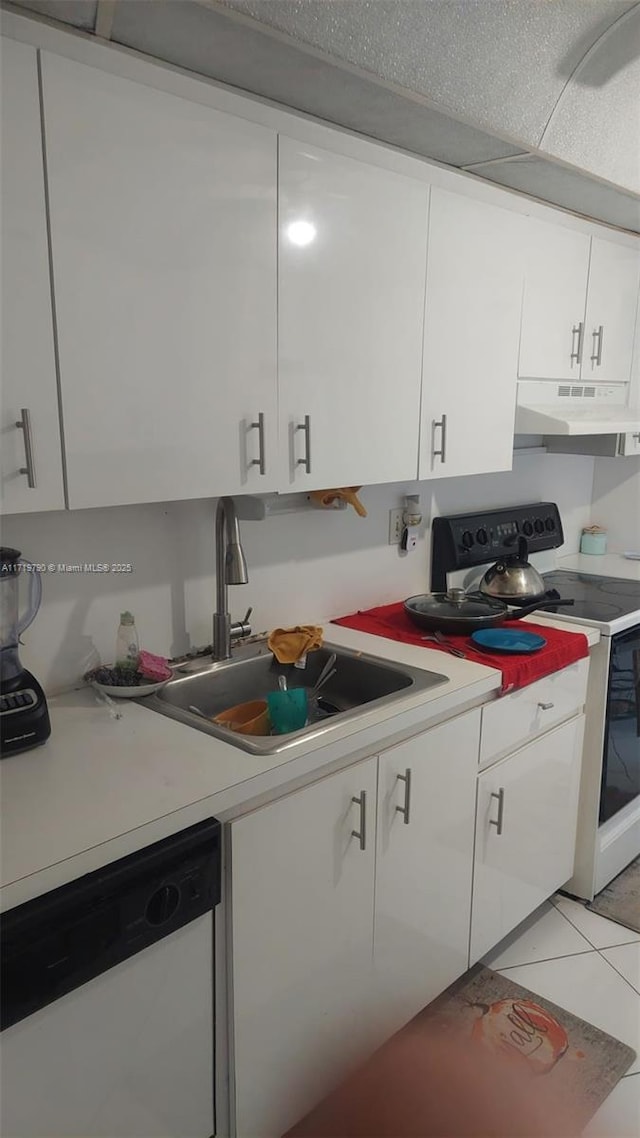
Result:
596,598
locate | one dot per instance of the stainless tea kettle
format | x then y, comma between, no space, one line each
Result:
513,578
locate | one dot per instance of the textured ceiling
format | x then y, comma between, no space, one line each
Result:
477,84
500,63
507,65
596,122
81,13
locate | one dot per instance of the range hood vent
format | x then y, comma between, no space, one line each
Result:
546,408
574,391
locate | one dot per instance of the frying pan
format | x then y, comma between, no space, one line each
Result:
459,612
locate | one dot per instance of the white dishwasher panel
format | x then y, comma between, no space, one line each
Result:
130,1053
107,998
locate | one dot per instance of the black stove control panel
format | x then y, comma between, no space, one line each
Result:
462,541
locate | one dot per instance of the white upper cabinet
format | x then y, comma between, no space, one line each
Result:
163,230
31,455
614,273
579,307
556,267
352,251
472,326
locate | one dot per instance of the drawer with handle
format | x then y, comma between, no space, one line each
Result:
515,719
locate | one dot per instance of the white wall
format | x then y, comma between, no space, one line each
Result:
616,501
304,567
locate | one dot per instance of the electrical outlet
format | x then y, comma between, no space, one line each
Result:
396,526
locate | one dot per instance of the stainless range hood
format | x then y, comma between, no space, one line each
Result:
547,408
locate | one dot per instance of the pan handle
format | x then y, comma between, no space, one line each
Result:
537,606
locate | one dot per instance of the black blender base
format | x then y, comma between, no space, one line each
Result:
25,727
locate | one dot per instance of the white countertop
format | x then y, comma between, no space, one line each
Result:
602,565
101,787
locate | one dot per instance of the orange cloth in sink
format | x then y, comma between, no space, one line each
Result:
289,644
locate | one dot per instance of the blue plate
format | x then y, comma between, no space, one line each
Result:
509,640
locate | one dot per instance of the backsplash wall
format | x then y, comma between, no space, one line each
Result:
303,567
616,501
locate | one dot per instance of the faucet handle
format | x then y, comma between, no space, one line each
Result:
240,629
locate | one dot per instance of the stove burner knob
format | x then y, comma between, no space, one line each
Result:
528,529
550,524
467,539
538,525
482,537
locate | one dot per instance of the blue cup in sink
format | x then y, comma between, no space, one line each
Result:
288,710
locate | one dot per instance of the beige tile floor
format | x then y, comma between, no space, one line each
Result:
591,967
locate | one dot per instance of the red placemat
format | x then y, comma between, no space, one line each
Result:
562,648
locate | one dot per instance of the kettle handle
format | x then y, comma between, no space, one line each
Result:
523,548
35,595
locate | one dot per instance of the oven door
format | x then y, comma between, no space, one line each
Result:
621,760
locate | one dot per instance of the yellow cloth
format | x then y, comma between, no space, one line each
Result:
289,644
345,493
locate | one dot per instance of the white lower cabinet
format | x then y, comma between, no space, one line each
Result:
426,811
302,926
357,900
315,982
525,832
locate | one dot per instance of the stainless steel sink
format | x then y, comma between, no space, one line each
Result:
360,682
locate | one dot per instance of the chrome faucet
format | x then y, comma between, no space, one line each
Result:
231,569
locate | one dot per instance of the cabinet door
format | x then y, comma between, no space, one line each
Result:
472,326
525,832
553,338
629,444
302,927
612,297
163,227
28,364
426,811
351,290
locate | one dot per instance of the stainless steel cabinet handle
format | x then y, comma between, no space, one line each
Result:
306,427
498,821
259,427
361,834
442,424
576,349
25,425
404,810
546,706
596,355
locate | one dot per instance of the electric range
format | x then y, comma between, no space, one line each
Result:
611,604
